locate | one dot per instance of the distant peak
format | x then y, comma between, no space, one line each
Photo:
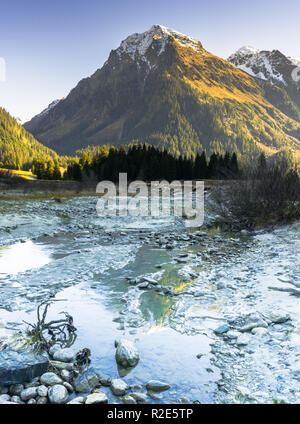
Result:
139,43
245,50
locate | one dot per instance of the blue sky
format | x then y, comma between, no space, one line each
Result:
49,46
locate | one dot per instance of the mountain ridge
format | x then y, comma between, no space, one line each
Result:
18,148
164,88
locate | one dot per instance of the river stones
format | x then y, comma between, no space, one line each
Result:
4,398
27,394
95,398
19,367
50,379
139,397
58,394
127,354
222,329
42,391
16,389
63,355
157,386
86,381
128,400
249,326
118,386
77,401
277,318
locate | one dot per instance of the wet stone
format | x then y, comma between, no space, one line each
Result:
19,367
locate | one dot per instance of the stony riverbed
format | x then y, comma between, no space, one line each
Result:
196,303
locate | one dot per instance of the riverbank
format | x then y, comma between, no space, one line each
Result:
103,271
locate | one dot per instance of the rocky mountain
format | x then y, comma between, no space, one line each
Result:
18,148
271,66
164,88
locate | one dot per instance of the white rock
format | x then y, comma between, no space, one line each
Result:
42,391
29,393
76,401
64,355
94,398
127,354
58,394
50,379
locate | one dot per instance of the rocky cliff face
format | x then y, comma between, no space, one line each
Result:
271,66
164,88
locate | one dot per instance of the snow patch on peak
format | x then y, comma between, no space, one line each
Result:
51,106
138,44
247,50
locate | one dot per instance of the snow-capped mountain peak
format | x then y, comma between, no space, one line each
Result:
139,44
246,50
272,66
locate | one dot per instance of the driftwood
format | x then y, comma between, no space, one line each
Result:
61,331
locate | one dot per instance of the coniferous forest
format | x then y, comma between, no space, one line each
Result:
145,163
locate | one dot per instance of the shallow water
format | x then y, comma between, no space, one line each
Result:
65,251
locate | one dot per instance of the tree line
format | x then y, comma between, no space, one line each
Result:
148,163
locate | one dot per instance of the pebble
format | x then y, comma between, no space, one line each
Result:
58,394
157,386
50,379
118,386
29,393
95,398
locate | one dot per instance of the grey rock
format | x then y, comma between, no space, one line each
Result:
222,329
128,400
62,365
118,386
154,395
50,379
42,391
65,374
127,354
58,394
157,386
31,402
249,326
18,367
105,380
42,401
86,381
53,349
4,398
95,398
68,386
33,383
276,318
16,389
29,393
139,397
77,401
16,399
64,355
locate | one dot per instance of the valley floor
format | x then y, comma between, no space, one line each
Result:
212,327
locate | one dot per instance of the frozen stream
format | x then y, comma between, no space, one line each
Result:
207,280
